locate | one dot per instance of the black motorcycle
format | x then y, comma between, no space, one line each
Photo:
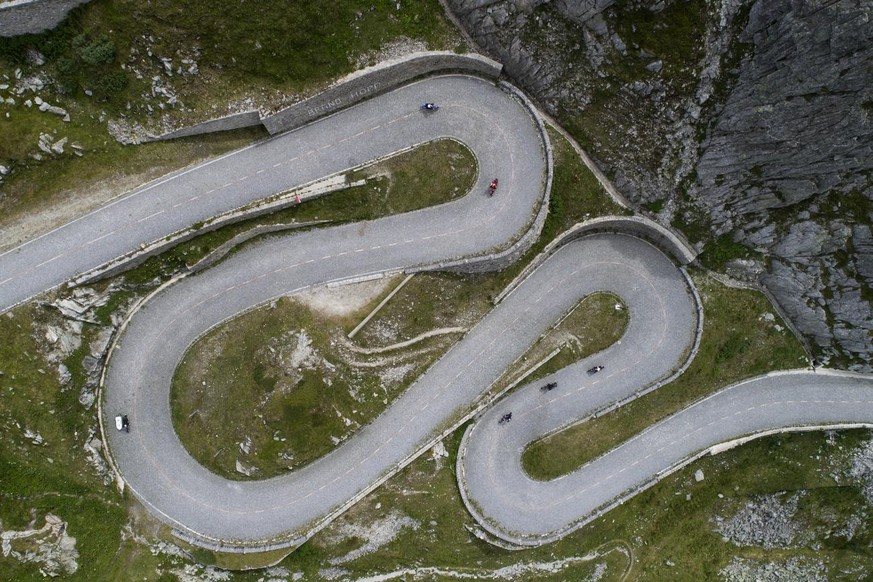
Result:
594,370
549,387
505,418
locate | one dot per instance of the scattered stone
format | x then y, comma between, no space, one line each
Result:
34,437
766,521
51,547
244,469
44,143
796,568
698,475
862,469
58,146
64,375
375,534
655,66
34,57
92,447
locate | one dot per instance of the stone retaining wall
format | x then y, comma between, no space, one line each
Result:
375,80
33,16
354,88
235,121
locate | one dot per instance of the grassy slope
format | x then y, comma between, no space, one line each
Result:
670,537
288,50
54,477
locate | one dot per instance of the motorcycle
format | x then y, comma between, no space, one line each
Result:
505,418
549,387
594,370
429,107
122,423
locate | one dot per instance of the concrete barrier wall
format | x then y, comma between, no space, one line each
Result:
378,79
637,226
33,16
235,121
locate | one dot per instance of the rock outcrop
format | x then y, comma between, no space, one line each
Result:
787,166
746,118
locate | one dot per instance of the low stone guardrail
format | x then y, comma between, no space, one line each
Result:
350,90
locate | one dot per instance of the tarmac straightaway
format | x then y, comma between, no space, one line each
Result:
507,144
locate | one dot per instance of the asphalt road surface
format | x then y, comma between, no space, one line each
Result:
506,143
516,508
486,119
156,467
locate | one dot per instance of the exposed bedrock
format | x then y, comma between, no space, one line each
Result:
786,166
758,112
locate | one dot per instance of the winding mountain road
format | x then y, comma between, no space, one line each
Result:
507,143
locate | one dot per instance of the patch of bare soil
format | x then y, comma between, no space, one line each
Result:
345,299
21,227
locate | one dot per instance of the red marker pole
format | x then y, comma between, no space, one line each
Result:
297,198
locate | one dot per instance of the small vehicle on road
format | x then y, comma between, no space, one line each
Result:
493,187
549,387
594,370
429,107
505,418
122,423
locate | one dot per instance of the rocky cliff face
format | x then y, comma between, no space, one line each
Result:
748,120
786,166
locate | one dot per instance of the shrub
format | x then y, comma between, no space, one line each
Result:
99,52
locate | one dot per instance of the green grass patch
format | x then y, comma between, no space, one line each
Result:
723,249
737,343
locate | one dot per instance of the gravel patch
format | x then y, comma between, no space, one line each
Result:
767,521
862,468
344,299
791,570
375,535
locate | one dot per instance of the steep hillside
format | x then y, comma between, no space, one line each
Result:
745,123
